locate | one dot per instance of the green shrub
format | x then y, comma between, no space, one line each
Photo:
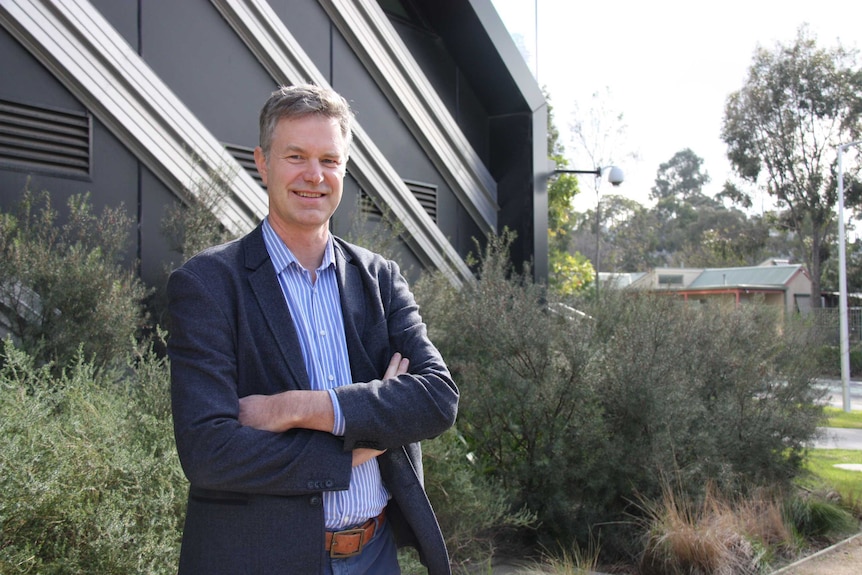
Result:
63,286
580,410
191,226
473,509
88,470
819,520
715,393
527,410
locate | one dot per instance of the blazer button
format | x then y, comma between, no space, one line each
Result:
329,483
314,501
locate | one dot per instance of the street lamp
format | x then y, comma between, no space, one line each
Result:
842,282
615,177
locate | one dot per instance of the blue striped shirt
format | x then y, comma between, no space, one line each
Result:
316,311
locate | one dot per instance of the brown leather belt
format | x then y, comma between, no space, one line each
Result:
350,542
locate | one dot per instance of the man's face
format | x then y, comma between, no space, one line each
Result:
304,173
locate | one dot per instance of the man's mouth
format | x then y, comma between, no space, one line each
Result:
308,194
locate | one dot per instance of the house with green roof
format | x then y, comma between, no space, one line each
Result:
773,282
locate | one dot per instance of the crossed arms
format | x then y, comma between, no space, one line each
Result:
306,409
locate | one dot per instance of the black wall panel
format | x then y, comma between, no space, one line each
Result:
123,17
205,64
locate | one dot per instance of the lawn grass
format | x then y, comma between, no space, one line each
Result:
840,418
825,476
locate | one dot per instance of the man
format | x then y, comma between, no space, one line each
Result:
302,378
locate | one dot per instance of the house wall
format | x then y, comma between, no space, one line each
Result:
799,287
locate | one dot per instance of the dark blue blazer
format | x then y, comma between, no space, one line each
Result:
255,497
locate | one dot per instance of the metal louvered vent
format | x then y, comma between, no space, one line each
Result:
245,157
367,205
425,193
427,196
33,138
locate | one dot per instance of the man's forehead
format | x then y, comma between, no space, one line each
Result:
299,134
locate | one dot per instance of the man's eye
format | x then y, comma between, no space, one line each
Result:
330,162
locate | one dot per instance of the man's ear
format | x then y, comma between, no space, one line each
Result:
260,162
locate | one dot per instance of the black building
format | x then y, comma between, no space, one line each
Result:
133,100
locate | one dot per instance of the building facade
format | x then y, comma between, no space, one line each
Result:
134,101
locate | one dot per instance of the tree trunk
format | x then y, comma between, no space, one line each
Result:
815,270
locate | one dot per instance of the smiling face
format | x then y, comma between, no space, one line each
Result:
304,174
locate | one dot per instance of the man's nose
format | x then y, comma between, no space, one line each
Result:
313,172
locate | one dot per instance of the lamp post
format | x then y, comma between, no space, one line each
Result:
615,177
842,282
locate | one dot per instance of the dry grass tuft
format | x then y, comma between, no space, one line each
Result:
715,535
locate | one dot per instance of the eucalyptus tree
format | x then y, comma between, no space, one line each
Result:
782,129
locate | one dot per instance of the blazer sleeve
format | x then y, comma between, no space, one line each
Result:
216,356
383,414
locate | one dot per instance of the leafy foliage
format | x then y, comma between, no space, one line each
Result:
88,470
192,226
473,509
63,284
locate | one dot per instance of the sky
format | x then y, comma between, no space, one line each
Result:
667,66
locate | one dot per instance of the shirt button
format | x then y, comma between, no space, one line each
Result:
323,332
331,377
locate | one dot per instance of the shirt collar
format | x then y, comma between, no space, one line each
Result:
281,255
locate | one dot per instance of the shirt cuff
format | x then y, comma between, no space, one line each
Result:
338,424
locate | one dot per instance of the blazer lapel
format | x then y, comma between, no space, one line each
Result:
267,291
353,309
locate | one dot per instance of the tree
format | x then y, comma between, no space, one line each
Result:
569,272
599,135
628,231
679,197
680,179
684,228
782,129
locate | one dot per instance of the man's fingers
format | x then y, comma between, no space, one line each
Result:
397,366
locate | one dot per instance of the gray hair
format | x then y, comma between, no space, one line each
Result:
300,101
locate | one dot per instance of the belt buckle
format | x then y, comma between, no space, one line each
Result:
336,555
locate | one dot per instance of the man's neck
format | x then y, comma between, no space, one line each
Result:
308,246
